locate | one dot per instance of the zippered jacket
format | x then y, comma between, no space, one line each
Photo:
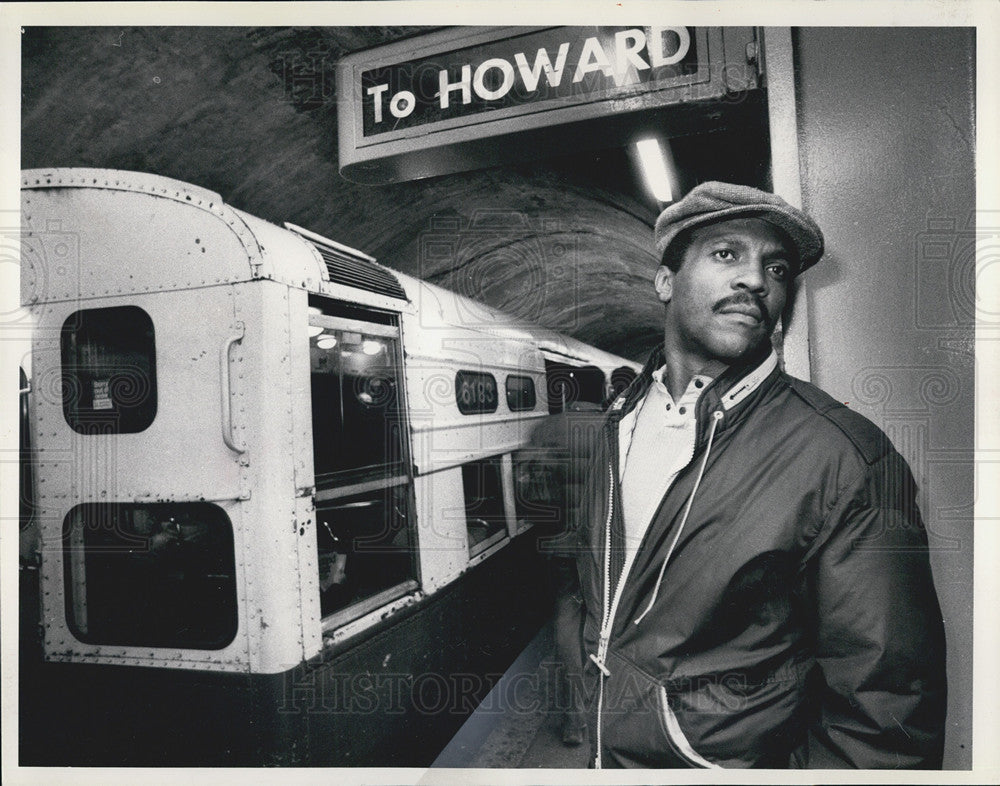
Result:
780,610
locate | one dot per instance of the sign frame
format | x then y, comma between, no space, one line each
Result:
727,64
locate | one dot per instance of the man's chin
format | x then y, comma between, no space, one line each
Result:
743,348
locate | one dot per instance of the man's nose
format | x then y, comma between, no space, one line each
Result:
750,275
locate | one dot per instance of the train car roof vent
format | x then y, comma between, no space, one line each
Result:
351,267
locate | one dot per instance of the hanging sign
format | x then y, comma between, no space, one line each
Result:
557,66
463,84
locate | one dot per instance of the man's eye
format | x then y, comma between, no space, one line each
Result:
724,254
780,272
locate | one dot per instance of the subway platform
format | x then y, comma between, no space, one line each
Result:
519,723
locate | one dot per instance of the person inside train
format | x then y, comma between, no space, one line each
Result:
753,563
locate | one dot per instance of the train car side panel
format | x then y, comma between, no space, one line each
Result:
304,518
134,496
444,546
280,564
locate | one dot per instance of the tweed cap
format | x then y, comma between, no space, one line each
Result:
713,201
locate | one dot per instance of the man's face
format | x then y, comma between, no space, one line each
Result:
729,291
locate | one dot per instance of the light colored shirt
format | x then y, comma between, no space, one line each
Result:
656,441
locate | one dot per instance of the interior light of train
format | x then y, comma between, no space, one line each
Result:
327,342
654,168
314,330
370,347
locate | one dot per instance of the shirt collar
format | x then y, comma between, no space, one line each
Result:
697,383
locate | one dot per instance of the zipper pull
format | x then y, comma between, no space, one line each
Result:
598,658
600,665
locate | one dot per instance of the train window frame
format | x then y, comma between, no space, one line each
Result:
478,401
515,402
497,530
346,488
364,480
110,410
159,561
353,608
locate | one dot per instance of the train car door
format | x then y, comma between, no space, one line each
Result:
366,537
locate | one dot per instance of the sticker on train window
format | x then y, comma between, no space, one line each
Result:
108,370
520,393
475,392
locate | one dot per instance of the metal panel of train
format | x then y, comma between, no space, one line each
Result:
280,513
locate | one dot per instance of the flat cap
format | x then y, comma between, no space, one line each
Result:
711,202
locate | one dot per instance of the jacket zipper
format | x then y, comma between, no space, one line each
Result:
611,604
602,646
611,609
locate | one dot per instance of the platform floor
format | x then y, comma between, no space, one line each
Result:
519,724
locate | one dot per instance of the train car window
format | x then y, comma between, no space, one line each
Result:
539,487
568,385
520,393
108,370
365,549
364,531
150,575
475,392
485,516
357,416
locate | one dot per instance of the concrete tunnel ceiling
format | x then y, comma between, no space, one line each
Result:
251,113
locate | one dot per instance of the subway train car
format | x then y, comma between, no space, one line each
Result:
279,510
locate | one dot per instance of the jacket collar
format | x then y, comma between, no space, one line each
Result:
731,391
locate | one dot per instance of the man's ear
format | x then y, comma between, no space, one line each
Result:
664,283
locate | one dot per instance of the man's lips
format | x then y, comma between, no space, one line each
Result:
751,310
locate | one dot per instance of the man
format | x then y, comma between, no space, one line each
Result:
753,563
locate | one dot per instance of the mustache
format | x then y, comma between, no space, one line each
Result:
743,299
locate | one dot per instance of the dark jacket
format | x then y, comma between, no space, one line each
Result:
796,622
